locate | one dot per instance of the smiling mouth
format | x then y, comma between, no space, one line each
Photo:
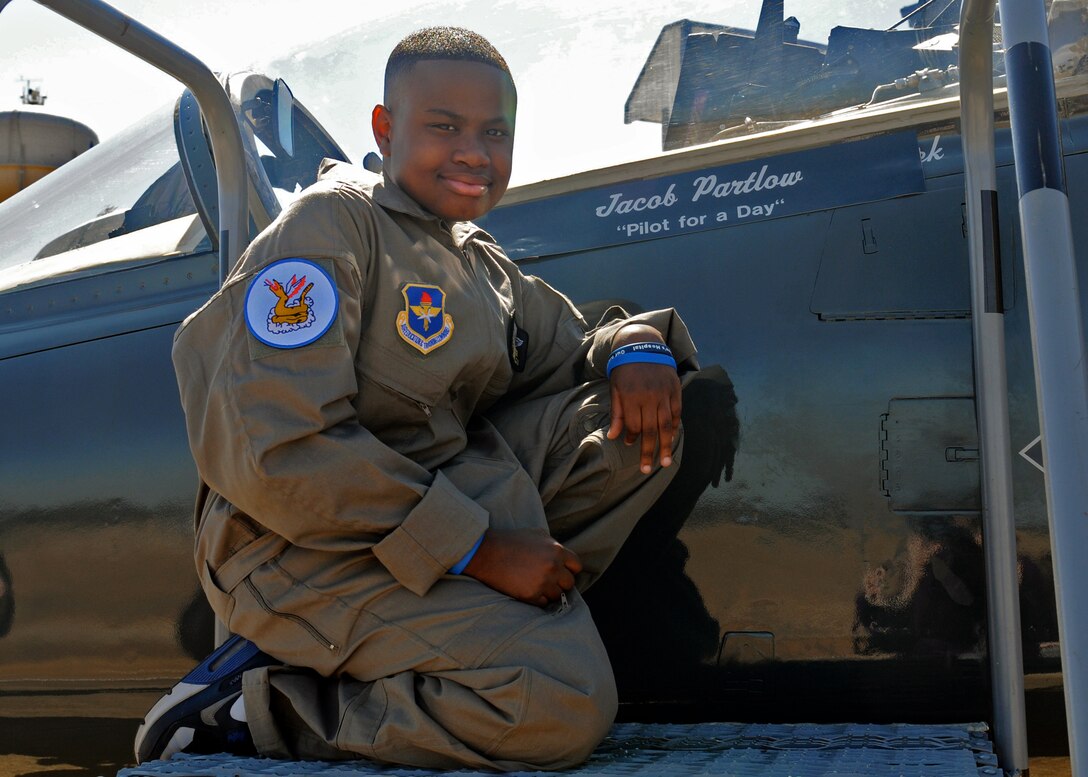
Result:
467,188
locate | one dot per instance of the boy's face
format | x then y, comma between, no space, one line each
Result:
447,136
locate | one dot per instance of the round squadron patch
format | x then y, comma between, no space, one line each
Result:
291,303
424,323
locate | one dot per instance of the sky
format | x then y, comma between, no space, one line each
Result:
95,82
574,61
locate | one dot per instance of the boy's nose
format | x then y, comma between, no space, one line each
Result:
471,152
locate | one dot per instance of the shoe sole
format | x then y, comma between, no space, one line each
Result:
192,694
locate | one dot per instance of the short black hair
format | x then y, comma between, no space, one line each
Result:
432,43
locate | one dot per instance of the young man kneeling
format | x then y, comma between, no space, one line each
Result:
415,457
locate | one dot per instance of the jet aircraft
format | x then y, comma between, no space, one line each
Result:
819,556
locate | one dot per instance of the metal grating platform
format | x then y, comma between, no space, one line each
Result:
706,749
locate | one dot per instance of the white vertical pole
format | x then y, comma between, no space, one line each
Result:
1057,334
991,385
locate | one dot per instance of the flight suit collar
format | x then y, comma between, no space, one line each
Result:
392,197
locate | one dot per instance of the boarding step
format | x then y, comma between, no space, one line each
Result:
705,749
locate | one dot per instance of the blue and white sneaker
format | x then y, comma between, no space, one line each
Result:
204,712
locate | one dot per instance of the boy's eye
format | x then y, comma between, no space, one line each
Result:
444,127
498,133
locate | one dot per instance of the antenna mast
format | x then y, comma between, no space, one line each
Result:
32,95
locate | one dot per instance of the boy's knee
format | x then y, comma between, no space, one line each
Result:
566,696
585,729
561,722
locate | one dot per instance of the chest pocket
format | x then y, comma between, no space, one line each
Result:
396,388
431,340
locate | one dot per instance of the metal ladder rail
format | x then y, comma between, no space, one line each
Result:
1057,335
991,385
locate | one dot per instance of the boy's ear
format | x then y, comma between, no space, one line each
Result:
381,121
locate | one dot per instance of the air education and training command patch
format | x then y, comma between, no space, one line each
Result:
291,303
423,323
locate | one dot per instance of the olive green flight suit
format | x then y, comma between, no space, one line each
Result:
348,475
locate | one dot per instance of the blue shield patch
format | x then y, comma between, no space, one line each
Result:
424,323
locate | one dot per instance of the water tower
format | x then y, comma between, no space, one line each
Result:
34,143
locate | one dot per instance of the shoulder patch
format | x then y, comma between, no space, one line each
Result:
424,323
291,303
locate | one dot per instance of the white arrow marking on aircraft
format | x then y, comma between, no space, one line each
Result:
1026,448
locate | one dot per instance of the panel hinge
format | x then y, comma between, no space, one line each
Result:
884,455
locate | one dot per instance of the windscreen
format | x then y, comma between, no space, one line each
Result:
120,187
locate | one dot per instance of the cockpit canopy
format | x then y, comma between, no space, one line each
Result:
150,191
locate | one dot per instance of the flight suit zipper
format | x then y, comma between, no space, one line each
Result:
485,302
305,624
403,395
560,607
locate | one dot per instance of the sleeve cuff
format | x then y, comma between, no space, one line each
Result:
459,567
437,534
667,322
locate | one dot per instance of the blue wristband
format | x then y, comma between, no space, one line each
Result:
459,567
646,347
646,353
635,358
